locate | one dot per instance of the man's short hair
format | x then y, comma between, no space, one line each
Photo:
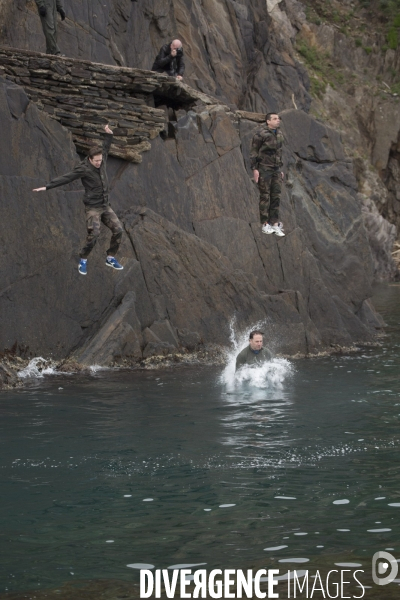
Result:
256,331
95,151
269,115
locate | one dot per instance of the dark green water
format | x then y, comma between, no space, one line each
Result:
115,469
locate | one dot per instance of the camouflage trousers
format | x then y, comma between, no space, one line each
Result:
94,217
270,187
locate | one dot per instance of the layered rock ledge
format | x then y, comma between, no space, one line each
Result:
84,96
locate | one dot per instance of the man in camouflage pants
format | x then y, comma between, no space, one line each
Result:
48,15
93,174
266,163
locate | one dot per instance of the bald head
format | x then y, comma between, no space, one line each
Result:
175,44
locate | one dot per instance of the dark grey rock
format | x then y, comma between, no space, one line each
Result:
8,378
149,336
166,333
119,337
158,349
17,100
189,339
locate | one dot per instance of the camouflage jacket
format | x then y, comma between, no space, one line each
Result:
266,149
94,180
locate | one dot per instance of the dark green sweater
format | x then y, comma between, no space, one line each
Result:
248,357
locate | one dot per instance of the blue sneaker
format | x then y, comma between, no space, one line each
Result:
82,267
112,262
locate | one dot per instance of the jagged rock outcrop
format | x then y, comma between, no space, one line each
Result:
194,255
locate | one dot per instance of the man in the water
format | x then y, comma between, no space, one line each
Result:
254,354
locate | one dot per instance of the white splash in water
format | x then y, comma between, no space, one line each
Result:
270,374
96,368
38,367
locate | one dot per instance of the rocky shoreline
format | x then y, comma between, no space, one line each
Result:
211,355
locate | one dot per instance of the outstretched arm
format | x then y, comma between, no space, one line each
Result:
107,141
67,178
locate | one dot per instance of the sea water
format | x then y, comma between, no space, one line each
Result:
293,463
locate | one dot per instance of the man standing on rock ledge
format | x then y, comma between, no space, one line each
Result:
48,15
254,354
266,163
92,171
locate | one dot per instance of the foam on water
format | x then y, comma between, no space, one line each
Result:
37,367
97,368
270,374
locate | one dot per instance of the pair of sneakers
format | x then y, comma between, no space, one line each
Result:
276,228
110,262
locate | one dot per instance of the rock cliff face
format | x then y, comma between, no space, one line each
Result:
355,77
250,54
232,50
194,256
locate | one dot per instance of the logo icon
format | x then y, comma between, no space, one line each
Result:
384,563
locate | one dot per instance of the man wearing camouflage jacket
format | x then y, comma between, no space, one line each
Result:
266,164
48,15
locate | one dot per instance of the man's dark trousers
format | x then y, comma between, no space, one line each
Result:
49,23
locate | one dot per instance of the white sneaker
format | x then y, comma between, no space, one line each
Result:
266,228
277,229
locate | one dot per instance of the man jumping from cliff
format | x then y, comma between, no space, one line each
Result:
266,163
48,15
92,171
